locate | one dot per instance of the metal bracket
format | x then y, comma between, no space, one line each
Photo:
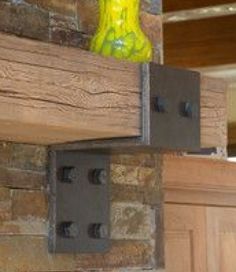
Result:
170,100
79,202
79,172
175,108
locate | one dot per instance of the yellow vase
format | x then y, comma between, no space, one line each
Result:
119,33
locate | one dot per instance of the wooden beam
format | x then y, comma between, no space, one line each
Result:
199,13
55,94
228,73
231,105
199,181
213,112
232,118
51,94
201,43
173,5
209,46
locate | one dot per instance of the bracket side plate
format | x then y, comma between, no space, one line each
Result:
171,129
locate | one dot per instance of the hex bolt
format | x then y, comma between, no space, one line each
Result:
98,231
186,109
69,230
99,176
68,174
160,104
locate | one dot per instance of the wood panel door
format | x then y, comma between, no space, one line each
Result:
185,246
221,239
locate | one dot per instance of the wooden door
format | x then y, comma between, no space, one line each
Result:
185,247
221,239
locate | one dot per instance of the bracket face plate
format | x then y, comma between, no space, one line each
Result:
79,202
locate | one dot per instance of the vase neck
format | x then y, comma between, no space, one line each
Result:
118,11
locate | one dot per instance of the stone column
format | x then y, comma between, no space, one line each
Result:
136,195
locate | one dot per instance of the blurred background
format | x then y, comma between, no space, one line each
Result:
201,35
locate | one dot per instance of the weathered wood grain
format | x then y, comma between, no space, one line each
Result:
213,112
54,94
51,94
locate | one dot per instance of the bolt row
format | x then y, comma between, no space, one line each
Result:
186,109
70,230
95,176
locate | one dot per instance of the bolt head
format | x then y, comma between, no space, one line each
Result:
69,230
188,110
160,104
68,174
98,231
99,176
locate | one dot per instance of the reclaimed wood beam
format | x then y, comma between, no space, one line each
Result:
173,5
201,43
52,94
55,94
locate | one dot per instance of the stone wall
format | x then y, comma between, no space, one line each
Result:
136,180
69,22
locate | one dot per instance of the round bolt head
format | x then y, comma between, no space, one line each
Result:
69,230
102,176
98,231
103,231
99,176
160,104
186,109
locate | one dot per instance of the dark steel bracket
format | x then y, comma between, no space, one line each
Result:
79,202
79,172
170,114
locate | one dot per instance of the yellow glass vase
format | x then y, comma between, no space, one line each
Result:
119,33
